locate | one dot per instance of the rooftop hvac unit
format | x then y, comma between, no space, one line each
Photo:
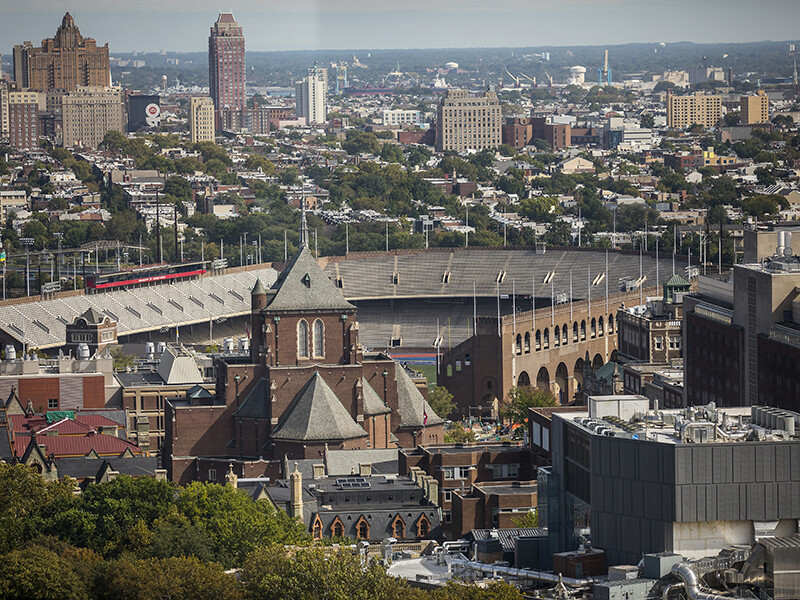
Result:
11,352
149,350
83,351
162,347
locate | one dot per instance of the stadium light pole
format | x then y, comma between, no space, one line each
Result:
27,242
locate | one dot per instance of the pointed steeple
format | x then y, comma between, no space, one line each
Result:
303,222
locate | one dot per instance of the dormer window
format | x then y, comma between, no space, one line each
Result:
306,280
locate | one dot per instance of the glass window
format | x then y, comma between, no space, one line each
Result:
319,338
302,339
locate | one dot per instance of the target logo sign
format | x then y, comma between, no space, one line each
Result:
152,113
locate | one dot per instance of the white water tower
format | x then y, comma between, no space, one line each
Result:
577,75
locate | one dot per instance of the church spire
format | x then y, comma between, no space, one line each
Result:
303,222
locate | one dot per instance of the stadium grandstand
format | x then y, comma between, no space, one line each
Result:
401,295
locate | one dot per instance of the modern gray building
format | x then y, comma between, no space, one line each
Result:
690,481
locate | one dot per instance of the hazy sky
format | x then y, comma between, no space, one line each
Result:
182,25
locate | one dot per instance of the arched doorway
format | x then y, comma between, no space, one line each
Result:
597,362
562,382
524,380
577,374
543,379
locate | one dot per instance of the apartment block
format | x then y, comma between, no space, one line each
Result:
201,120
311,96
23,120
697,109
89,113
755,109
467,122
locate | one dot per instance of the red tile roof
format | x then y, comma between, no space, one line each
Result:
74,445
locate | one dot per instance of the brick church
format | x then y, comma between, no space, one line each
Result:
308,385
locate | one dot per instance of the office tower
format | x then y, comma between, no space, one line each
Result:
23,120
89,113
226,64
201,120
755,109
466,122
311,96
697,109
63,62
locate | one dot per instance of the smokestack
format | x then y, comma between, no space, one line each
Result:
781,243
787,244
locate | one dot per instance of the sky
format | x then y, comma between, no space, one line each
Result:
183,25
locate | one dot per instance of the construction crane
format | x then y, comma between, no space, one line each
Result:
514,79
549,78
604,72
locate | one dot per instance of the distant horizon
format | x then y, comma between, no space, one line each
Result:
361,25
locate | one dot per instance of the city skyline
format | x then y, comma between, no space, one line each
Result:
355,24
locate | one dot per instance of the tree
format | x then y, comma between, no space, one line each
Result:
459,435
529,521
647,121
37,573
441,401
520,399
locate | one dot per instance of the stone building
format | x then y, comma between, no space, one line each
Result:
466,122
88,113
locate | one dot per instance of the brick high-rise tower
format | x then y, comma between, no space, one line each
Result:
226,64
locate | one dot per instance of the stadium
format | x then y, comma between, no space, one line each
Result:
410,302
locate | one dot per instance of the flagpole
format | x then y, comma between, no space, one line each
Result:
498,309
570,294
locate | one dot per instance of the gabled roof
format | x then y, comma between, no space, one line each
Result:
75,445
373,405
178,367
411,405
198,392
93,316
13,405
304,286
316,414
255,405
676,281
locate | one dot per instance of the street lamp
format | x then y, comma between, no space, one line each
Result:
27,242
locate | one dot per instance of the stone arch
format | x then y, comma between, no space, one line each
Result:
562,382
600,329
564,335
337,527
319,339
398,528
423,527
557,336
575,331
577,374
583,329
317,528
518,344
526,345
543,379
302,338
362,528
546,337
523,379
538,339
611,324
593,327
597,361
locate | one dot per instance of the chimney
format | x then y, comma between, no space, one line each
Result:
160,474
296,493
319,471
365,469
143,433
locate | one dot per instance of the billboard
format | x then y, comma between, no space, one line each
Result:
144,112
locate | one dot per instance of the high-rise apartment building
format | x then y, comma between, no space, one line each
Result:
3,108
23,120
311,96
226,64
466,122
64,62
89,113
201,120
755,109
697,109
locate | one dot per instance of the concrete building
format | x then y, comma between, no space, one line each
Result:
691,481
396,117
697,109
201,120
23,120
65,62
467,122
742,335
755,109
3,108
226,64
311,96
89,113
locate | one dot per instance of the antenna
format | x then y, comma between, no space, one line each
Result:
303,222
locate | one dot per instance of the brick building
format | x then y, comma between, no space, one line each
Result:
226,64
492,505
520,132
308,385
63,62
456,467
23,120
466,122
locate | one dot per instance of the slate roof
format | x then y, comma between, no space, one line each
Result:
411,405
316,414
676,281
255,405
84,468
304,286
198,392
93,316
373,405
341,463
